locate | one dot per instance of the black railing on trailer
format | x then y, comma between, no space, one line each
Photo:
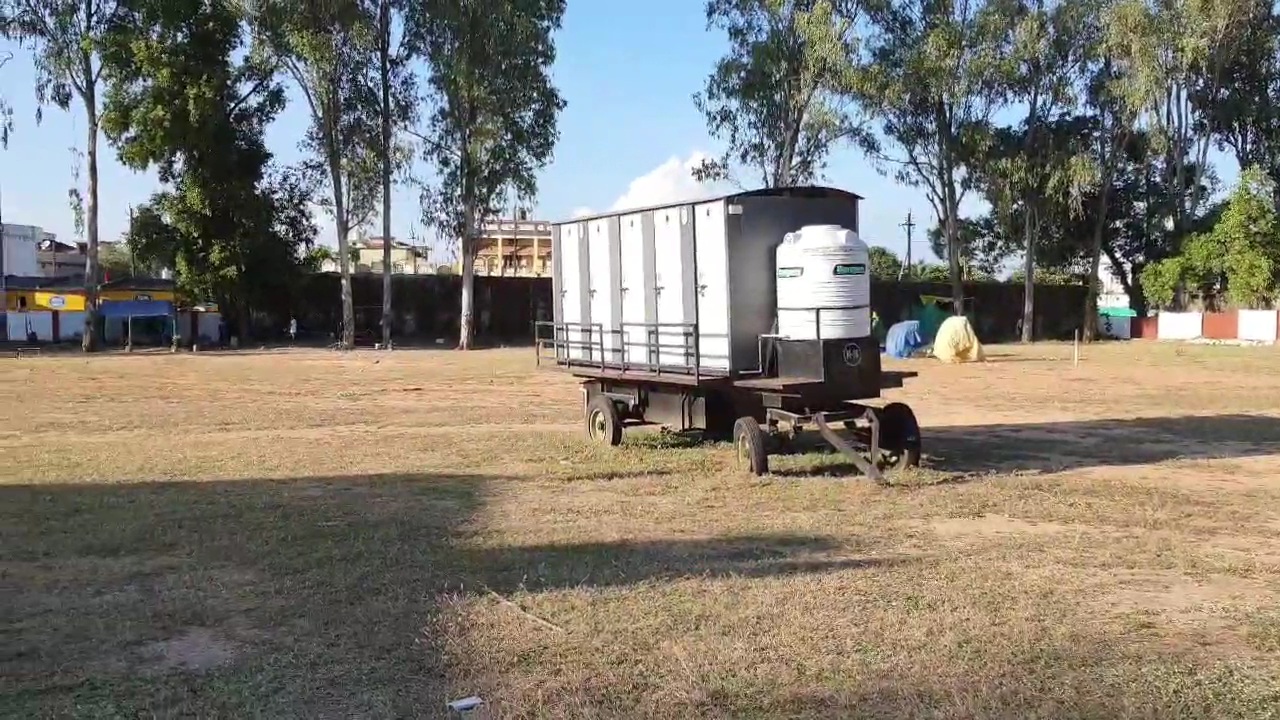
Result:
658,343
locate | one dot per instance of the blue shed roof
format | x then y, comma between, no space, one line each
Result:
136,308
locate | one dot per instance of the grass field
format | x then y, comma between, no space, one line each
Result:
314,535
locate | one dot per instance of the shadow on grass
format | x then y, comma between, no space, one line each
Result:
959,454
918,477
277,598
546,567
1058,446
299,598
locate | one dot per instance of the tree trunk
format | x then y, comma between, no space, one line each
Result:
1090,332
384,39
1029,220
466,329
953,255
1029,283
89,340
348,337
245,320
1109,150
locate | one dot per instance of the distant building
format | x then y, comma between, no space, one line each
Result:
514,248
20,252
59,259
406,259
1111,293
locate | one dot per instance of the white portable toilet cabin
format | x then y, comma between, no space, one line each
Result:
632,286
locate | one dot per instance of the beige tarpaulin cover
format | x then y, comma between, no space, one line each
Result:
956,342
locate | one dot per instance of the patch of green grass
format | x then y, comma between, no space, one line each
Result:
1263,631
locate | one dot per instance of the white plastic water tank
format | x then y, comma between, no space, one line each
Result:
824,284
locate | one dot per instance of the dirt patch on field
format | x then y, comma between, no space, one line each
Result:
199,649
998,525
195,650
1170,593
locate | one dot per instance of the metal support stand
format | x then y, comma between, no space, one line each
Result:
870,468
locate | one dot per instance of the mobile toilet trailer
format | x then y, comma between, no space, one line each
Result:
746,316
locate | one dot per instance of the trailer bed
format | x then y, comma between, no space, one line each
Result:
888,378
643,376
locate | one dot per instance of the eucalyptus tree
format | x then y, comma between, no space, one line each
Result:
66,39
930,82
392,85
1170,51
327,48
190,95
1241,104
491,118
778,97
1040,161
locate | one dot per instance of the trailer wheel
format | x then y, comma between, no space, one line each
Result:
604,423
899,437
749,445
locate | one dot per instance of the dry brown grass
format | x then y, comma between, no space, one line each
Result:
306,534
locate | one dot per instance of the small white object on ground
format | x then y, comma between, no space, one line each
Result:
466,704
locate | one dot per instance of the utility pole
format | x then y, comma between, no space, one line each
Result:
909,225
133,270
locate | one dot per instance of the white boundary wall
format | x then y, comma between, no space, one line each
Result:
1179,326
1256,325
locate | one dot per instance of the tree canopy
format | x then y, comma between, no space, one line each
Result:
492,118
234,226
1081,128
778,98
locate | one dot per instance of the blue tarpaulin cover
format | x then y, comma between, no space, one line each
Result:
136,308
903,339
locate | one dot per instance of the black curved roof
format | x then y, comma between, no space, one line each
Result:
803,191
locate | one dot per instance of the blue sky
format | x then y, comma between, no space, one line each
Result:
627,71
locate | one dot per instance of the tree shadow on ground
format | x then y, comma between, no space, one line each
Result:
610,564
1059,446
305,597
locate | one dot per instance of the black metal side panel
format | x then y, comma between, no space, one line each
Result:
851,367
847,369
679,409
751,293
799,360
754,235
649,260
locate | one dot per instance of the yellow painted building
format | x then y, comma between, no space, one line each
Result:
74,300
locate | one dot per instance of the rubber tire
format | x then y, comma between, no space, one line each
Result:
611,432
749,444
900,433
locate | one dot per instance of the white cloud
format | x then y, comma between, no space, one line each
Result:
670,182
